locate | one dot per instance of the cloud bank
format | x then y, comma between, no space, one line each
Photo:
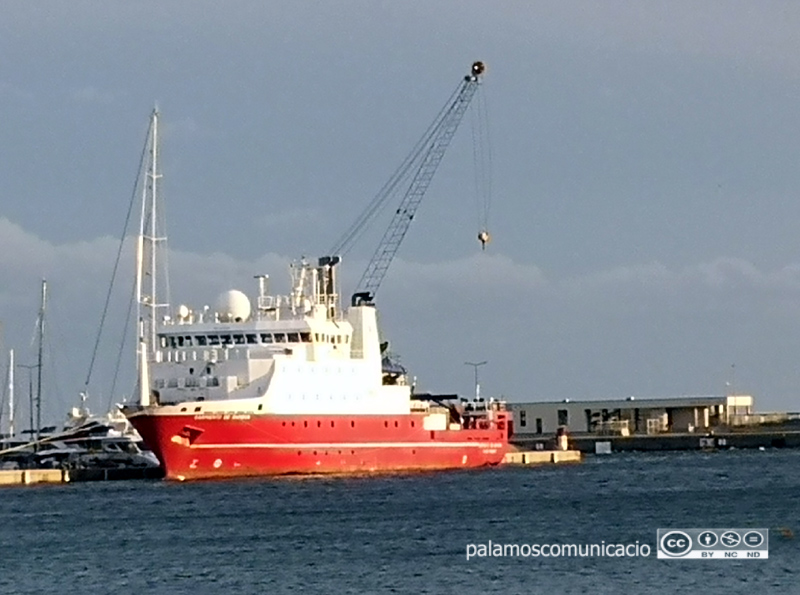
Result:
645,329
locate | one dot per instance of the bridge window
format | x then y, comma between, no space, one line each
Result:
252,339
305,337
213,340
187,341
226,340
202,340
280,337
293,338
238,339
266,337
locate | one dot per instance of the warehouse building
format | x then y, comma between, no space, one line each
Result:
631,416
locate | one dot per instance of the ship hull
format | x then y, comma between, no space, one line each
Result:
240,445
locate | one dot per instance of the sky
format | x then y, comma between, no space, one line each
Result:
644,208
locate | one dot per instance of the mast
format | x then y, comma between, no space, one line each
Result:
11,393
147,262
39,362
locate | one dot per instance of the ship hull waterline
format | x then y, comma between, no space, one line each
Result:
241,445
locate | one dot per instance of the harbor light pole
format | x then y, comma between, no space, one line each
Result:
476,365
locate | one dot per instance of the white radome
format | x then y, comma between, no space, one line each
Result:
233,306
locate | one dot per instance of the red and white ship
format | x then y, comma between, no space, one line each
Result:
297,386
292,383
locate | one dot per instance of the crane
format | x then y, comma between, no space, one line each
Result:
420,166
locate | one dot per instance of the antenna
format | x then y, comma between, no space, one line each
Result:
476,365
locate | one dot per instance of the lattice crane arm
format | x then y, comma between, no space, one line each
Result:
422,163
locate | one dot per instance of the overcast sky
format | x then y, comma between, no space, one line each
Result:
645,210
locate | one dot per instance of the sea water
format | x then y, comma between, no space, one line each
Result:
407,533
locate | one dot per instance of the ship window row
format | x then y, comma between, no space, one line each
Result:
178,341
188,382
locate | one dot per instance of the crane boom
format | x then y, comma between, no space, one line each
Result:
426,157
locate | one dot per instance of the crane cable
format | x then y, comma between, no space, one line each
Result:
482,162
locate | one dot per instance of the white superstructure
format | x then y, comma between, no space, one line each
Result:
291,354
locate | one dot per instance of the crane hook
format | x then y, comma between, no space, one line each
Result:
484,238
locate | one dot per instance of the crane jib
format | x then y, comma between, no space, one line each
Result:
423,162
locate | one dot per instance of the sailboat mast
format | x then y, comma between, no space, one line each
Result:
147,263
11,393
39,362
154,176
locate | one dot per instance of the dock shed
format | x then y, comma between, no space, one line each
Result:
630,416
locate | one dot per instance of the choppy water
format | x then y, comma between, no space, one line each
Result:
406,533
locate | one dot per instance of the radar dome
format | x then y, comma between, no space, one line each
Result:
233,306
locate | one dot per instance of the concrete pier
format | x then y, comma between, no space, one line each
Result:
541,457
720,440
30,476
17,477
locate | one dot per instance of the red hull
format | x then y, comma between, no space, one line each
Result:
224,445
